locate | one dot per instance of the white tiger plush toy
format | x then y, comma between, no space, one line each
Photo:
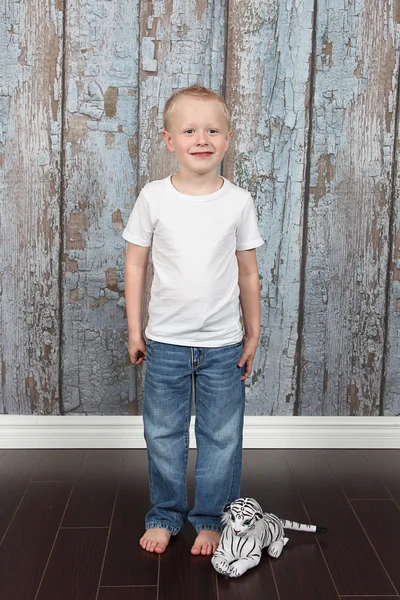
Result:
247,531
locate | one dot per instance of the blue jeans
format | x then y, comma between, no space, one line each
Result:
220,401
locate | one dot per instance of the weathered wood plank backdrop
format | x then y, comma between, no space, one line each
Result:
100,183
31,38
314,93
350,203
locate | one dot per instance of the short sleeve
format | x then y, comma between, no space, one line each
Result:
248,234
139,229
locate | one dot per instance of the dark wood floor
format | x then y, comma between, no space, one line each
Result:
70,521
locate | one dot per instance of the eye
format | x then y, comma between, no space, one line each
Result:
232,517
188,130
247,522
213,130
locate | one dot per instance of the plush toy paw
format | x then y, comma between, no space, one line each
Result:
275,549
274,552
233,572
220,565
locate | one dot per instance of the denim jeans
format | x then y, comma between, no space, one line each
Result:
220,401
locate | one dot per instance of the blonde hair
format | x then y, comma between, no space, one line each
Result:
194,91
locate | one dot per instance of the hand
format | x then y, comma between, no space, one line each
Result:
137,349
249,351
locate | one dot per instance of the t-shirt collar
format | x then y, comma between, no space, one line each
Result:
189,198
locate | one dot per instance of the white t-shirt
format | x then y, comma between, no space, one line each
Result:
194,297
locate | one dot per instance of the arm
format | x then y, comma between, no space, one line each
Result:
136,262
249,285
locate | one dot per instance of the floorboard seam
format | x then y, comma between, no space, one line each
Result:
111,520
54,543
308,517
14,513
361,525
377,475
274,578
88,527
158,576
115,587
373,547
22,498
216,585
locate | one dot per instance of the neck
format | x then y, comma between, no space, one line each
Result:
197,184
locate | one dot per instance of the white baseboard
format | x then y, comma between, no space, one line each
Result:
18,431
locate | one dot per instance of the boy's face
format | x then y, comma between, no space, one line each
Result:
198,133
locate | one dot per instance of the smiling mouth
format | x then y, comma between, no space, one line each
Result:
202,154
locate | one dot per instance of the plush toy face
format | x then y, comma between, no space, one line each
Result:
242,515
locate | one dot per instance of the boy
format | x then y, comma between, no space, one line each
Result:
203,231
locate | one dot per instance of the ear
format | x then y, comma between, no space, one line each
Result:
227,140
258,516
226,508
168,140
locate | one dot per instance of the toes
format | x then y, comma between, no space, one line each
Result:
153,541
151,545
205,544
159,548
206,549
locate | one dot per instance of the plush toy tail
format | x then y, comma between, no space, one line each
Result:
321,529
302,526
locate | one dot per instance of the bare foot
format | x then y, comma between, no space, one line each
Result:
155,540
206,542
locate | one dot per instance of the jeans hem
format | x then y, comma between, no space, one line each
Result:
172,530
209,527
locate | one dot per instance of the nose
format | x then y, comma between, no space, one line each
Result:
201,138
236,531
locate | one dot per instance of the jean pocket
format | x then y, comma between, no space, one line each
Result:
150,343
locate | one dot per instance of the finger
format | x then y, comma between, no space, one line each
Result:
245,375
246,359
137,361
247,370
242,360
